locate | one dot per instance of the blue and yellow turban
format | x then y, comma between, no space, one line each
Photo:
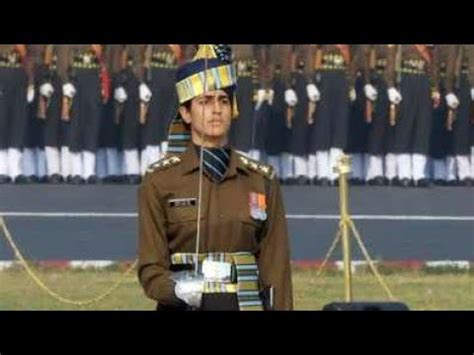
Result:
211,69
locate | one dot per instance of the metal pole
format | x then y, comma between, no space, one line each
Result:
344,168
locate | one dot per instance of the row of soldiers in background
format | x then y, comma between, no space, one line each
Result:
84,113
94,112
403,112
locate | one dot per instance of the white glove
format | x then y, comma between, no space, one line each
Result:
313,93
290,97
189,288
352,95
472,94
120,95
261,96
69,90
46,90
30,93
370,92
452,101
270,95
394,96
145,93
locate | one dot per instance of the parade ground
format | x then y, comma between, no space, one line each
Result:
79,240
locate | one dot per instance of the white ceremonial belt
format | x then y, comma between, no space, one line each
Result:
216,271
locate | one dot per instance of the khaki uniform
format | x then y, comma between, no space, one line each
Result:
167,227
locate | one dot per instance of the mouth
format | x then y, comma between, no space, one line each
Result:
215,122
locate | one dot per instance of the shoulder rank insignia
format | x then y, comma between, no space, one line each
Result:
264,169
164,163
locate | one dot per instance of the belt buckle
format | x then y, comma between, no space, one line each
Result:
216,271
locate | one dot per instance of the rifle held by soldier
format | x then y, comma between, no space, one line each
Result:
147,66
44,101
312,104
398,71
451,117
119,106
369,104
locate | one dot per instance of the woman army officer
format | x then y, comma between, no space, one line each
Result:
212,227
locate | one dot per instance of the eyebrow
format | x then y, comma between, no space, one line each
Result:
210,96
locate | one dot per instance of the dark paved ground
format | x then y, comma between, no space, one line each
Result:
312,222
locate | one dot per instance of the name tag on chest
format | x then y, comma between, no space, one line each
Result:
182,202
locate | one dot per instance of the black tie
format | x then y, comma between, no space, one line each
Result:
215,162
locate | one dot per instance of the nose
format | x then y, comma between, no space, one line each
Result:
217,107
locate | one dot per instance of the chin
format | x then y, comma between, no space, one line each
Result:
215,135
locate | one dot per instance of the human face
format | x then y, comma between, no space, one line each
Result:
209,116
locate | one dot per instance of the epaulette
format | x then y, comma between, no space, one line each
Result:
164,163
258,167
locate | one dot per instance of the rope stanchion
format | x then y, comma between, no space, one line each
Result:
48,290
346,225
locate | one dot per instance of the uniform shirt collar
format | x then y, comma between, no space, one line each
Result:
190,162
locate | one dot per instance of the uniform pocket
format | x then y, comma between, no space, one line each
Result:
183,214
251,223
251,230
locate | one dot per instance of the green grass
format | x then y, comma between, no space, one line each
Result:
421,290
